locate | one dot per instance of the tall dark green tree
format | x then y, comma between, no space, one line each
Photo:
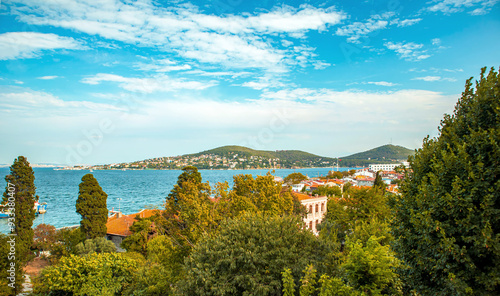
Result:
379,182
447,220
91,205
20,195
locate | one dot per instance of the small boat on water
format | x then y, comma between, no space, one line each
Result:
40,208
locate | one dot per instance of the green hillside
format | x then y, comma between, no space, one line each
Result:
238,157
285,158
385,152
289,155
382,154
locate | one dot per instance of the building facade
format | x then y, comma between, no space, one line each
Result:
316,210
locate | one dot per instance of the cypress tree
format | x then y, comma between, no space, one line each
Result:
91,205
447,220
20,196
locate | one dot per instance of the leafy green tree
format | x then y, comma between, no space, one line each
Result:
20,196
328,191
356,205
294,178
44,236
160,272
379,182
335,286
189,211
5,290
96,245
66,242
95,274
308,282
247,255
261,194
91,205
371,268
335,175
288,282
447,220
142,231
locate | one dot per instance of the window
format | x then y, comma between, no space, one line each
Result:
310,208
310,224
317,208
322,207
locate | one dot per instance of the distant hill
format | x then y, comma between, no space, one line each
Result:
281,158
238,157
382,154
288,155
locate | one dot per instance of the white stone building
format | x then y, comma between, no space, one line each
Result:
316,209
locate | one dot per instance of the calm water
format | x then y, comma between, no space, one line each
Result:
137,189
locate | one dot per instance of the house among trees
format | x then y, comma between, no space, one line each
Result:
316,209
118,225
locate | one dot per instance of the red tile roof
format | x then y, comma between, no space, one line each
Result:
120,225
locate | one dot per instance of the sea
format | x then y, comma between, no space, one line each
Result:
128,191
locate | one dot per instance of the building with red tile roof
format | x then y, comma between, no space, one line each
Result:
118,225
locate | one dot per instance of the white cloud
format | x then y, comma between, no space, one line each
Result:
474,7
382,83
436,41
152,84
434,78
24,45
163,65
37,103
231,41
48,77
408,22
409,51
357,30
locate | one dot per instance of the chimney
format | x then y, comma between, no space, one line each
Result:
119,215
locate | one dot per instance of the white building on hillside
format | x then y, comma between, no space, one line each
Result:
386,166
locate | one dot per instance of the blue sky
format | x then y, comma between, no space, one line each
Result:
84,81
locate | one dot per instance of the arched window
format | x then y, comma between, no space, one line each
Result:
310,208
322,207
310,224
317,208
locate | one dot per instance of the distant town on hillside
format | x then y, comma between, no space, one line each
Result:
238,157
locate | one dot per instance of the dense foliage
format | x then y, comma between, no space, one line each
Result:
247,255
103,274
447,220
91,205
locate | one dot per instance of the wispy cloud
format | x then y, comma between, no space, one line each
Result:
434,78
163,65
382,83
408,22
37,103
24,45
48,77
230,41
474,7
408,50
158,83
357,30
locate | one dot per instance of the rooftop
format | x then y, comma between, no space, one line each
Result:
118,224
